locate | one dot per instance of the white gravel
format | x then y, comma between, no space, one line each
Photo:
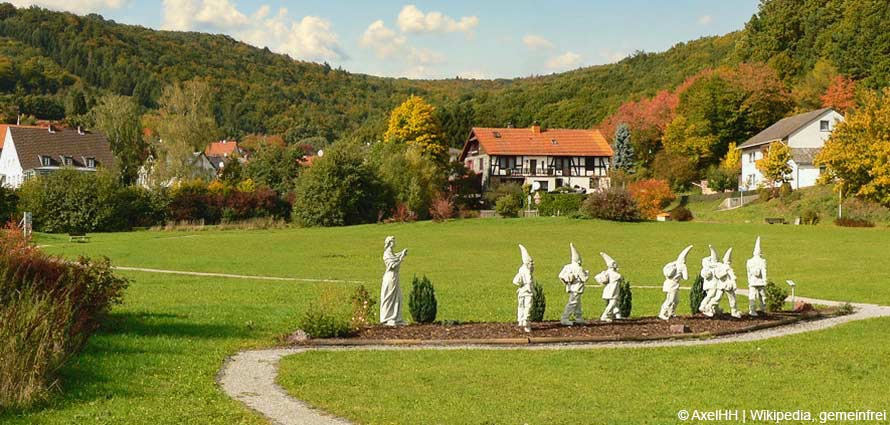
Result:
249,376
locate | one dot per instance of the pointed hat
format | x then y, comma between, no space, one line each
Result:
576,257
728,256
681,259
757,251
609,261
525,257
713,253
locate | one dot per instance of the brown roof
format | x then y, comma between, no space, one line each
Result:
804,156
222,148
3,128
783,128
32,143
545,142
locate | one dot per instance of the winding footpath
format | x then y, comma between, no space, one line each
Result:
249,376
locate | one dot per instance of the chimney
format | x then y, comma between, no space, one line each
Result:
80,130
50,129
536,128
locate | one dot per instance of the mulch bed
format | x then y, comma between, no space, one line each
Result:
635,329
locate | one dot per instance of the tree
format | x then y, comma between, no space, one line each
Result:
624,151
185,124
340,189
412,177
275,167
414,122
733,158
691,139
652,196
807,93
118,118
678,170
840,94
857,151
774,166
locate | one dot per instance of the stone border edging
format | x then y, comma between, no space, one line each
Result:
250,376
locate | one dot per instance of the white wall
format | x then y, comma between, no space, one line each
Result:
804,175
749,168
10,167
810,135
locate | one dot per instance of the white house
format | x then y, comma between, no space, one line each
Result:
34,151
805,134
544,158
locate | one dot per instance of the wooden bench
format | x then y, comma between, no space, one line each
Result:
78,237
775,220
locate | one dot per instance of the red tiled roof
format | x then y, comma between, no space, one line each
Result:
221,148
545,142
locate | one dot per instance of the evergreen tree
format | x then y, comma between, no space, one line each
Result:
624,151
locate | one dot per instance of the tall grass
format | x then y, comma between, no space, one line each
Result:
50,307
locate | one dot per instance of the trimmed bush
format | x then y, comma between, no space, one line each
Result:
422,301
50,309
613,204
563,204
810,216
508,206
775,297
625,299
539,304
853,222
652,196
681,214
696,295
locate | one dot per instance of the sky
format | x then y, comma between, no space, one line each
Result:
437,39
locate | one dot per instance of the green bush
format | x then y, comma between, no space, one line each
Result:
508,206
321,322
8,204
764,194
539,304
613,204
563,204
681,214
50,307
697,294
810,216
785,190
625,299
363,308
422,301
775,297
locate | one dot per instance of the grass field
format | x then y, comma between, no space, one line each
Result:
156,359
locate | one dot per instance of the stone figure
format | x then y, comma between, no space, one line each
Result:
525,280
612,281
674,272
757,281
708,273
390,291
574,277
726,284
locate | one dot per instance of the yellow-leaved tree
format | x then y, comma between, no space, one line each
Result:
689,138
857,154
414,122
733,159
774,166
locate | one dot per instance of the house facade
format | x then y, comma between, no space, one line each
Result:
546,159
805,134
219,152
33,151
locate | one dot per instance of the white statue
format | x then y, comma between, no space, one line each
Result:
390,291
574,277
726,284
708,273
756,281
525,280
612,281
674,272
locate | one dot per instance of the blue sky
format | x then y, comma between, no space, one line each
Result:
438,39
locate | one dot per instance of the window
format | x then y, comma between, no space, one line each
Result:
506,162
480,164
545,185
751,157
824,125
91,162
45,161
67,161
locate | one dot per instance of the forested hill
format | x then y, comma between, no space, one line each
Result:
54,65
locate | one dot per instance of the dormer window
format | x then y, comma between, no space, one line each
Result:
91,162
45,160
67,161
824,125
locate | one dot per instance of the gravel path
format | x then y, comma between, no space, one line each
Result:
234,276
249,376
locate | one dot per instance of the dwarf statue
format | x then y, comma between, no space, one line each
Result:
708,273
390,291
525,280
726,284
756,281
612,281
574,277
674,272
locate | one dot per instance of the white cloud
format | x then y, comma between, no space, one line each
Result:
413,20
536,42
564,61
611,56
76,6
705,19
310,38
387,43
474,75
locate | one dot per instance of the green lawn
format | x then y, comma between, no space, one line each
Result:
155,361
